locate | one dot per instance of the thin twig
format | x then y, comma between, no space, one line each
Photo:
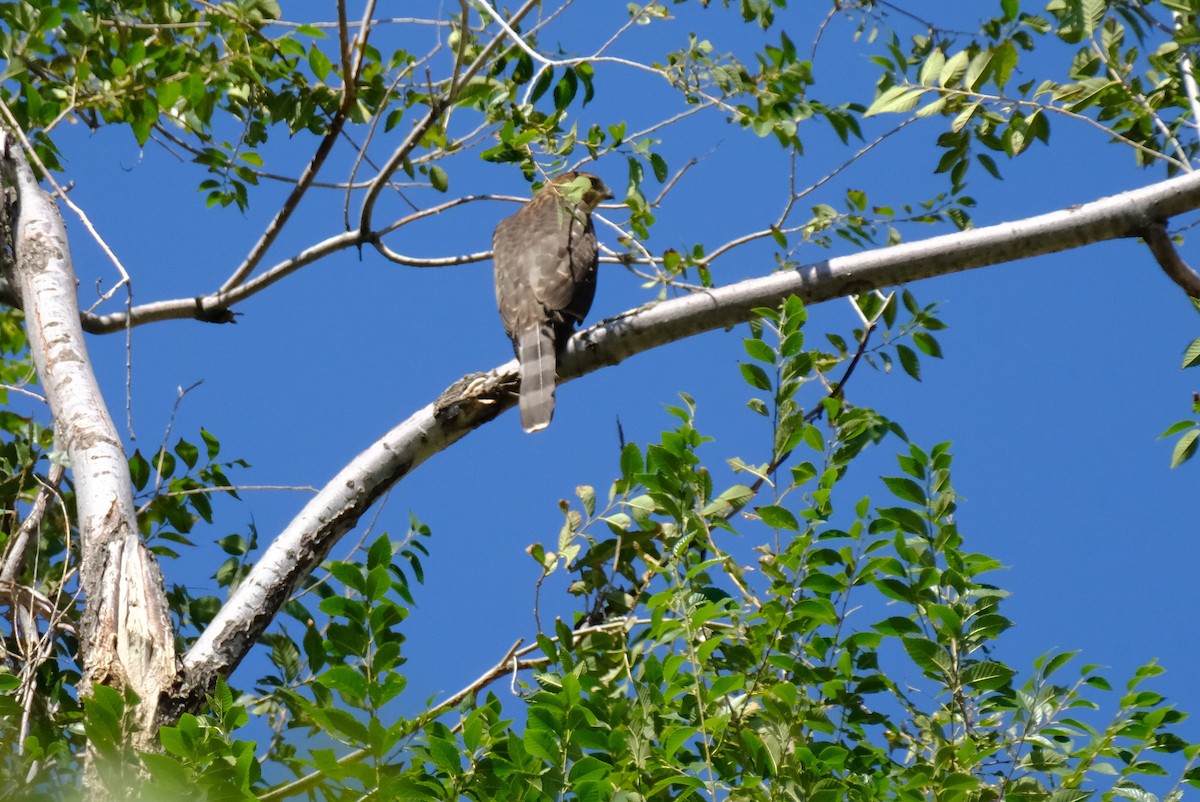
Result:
199,491
181,392
14,553
21,390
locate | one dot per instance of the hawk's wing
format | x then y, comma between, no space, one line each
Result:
545,261
566,281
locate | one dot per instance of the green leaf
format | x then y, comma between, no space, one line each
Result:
542,743
345,680
733,498
929,656
931,70
164,464
759,350
755,376
438,178
565,89
1191,357
897,626
988,675
1057,662
139,470
173,741
978,69
318,62
894,100
211,443
234,544
168,93
905,489
823,584
659,165
349,575
778,518
187,452
909,361
1185,448
1004,61
1177,427
904,519
927,343
631,461
954,69
587,496
545,77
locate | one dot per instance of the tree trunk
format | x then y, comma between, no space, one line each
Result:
126,639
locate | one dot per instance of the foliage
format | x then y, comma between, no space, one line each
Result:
1188,429
855,659
743,629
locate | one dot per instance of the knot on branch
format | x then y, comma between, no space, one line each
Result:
214,314
477,397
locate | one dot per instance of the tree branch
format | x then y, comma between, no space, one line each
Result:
1169,259
214,308
126,639
478,398
437,106
349,97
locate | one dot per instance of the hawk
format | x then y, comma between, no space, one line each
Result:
545,263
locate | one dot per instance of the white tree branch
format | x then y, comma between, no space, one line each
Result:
478,398
127,640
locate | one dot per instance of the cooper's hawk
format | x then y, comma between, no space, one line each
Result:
545,259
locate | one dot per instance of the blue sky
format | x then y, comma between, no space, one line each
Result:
1059,373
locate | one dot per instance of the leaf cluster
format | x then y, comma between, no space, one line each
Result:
1112,81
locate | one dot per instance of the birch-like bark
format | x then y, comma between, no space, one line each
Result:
477,399
126,638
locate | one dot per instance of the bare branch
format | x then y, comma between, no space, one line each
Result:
1169,260
14,553
1189,80
214,308
435,261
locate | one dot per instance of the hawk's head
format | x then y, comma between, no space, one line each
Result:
582,188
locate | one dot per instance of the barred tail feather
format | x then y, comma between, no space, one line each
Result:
535,354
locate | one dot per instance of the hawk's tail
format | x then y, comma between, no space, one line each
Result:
535,354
